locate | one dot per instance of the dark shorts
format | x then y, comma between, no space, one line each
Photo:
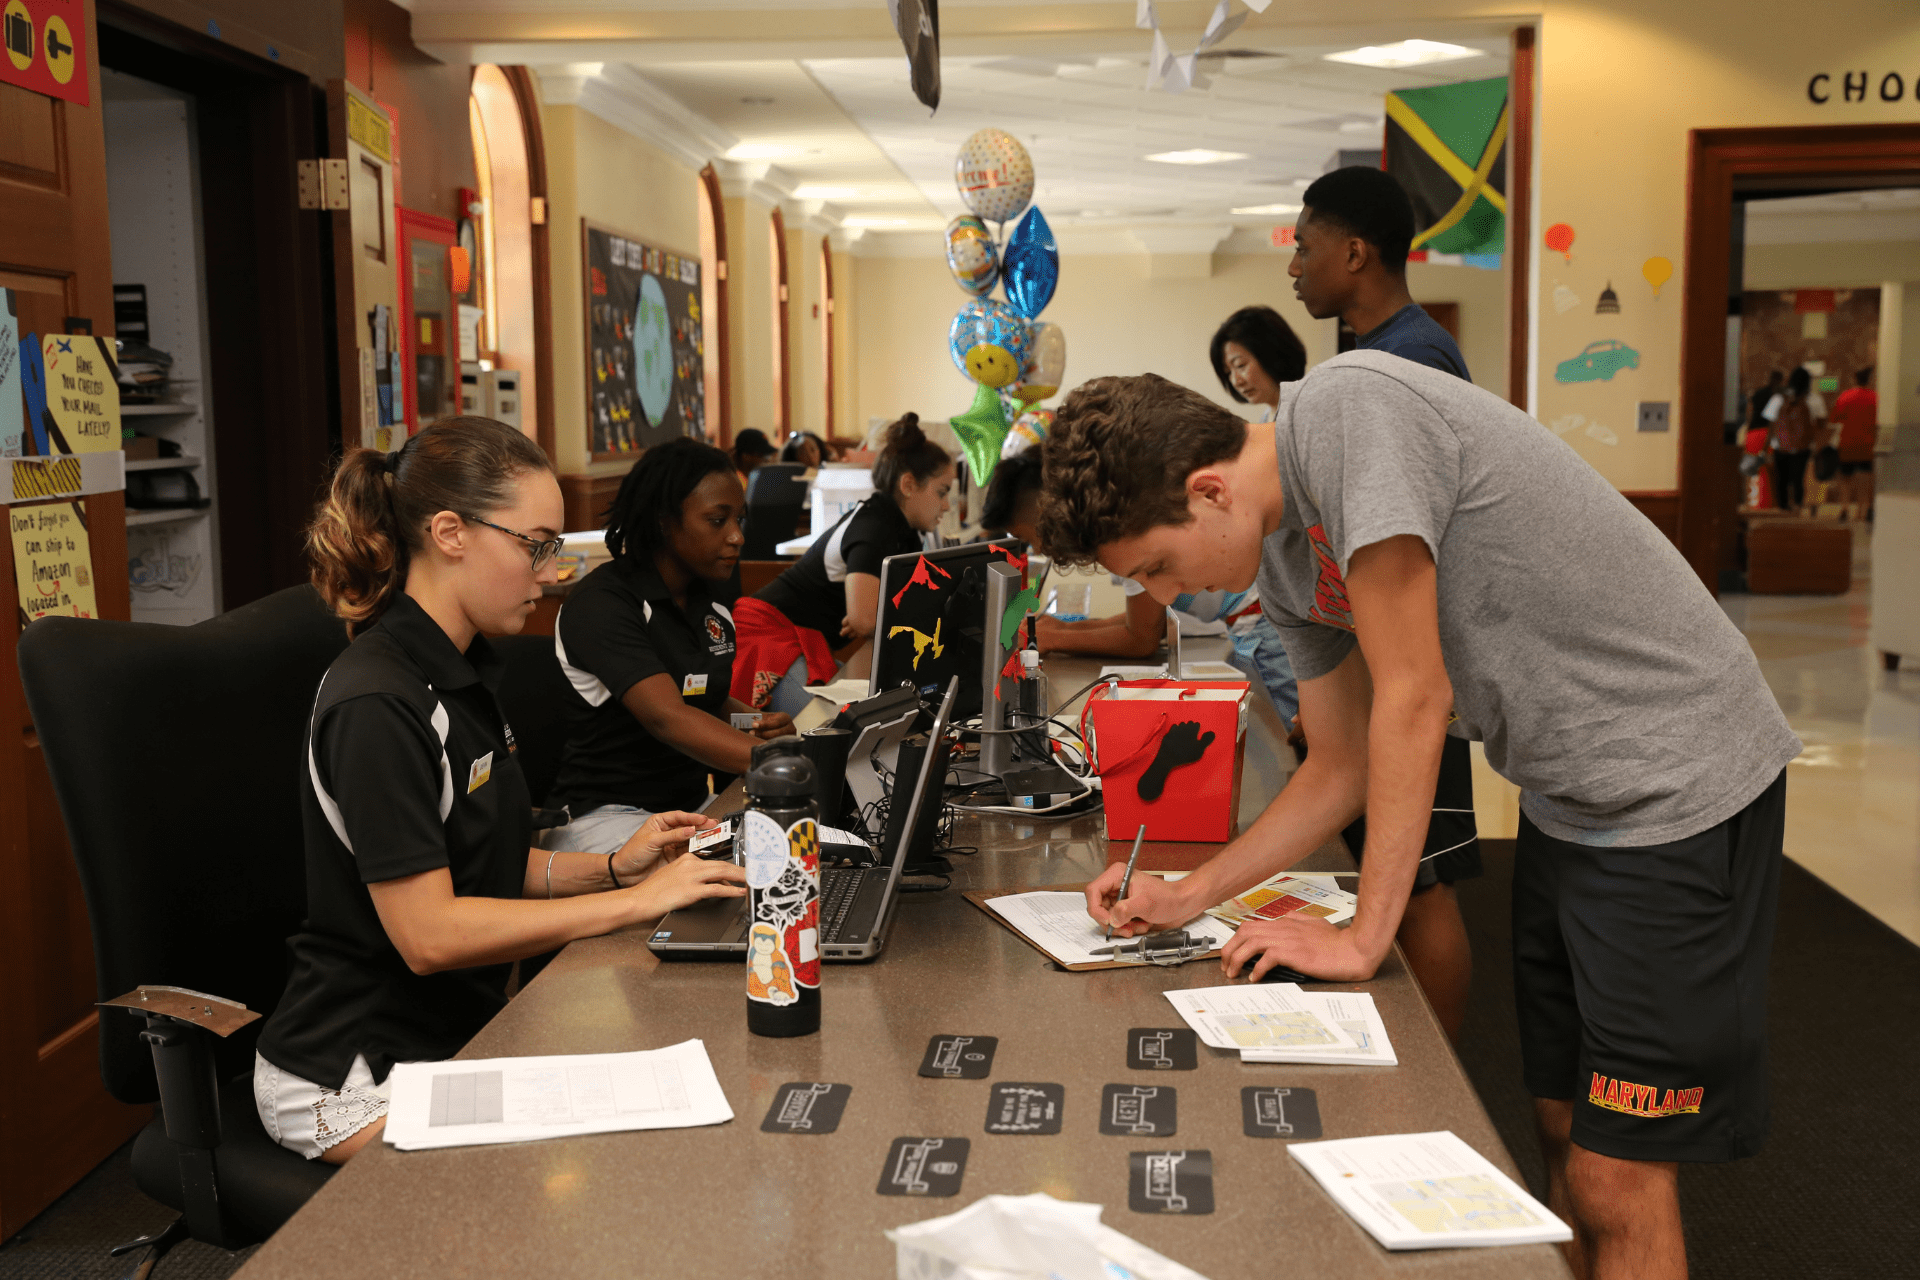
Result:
1640,976
1856,468
1452,850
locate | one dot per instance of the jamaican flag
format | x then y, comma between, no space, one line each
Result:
1448,147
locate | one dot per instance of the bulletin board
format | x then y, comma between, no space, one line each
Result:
646,353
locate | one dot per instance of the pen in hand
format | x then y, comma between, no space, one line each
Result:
1126,877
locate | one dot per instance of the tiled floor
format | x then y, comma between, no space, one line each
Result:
1853,796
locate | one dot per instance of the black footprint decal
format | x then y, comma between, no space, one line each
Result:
1183,744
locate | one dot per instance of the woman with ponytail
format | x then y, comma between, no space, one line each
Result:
422,885
788,632
649,652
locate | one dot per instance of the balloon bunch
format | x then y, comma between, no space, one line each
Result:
1017,359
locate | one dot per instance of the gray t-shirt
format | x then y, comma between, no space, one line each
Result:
1583,650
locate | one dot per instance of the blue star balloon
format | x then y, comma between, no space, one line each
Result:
1031,264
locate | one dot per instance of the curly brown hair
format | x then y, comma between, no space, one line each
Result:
1118,457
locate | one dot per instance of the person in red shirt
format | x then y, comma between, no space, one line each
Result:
1856,415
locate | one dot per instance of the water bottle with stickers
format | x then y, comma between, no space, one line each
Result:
780,851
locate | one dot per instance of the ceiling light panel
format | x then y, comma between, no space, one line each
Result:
1405,53
1195,155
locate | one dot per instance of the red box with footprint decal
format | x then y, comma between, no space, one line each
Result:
1169,754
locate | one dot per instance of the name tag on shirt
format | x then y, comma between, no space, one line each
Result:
694,685
482,770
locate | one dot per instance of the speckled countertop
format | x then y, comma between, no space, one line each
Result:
733,1201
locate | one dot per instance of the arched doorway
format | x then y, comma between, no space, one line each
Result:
511,282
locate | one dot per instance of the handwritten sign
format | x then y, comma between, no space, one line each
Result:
52,561
83,393
13,407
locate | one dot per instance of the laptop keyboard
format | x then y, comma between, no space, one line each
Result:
837,897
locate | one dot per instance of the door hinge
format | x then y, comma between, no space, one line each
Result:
324,184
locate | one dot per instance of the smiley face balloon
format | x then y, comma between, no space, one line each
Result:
989,342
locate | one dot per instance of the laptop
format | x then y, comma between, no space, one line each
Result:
856,903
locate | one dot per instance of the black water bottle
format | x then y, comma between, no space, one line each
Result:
780,852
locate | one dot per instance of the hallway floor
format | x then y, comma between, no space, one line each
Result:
1853,795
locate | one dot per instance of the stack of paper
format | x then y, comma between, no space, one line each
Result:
1287,895
1279,1022
1057,922
1427,1191
488,1100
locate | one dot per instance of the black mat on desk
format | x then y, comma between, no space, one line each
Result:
1833,1193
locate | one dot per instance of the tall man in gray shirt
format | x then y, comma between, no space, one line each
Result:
1438,563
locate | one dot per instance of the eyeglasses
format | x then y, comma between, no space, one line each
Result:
543,551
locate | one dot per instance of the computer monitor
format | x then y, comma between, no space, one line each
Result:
932,623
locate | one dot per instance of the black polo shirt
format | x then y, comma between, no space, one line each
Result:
409,768
619,627
813,593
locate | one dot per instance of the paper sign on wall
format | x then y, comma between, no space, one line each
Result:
12,408
52,561
83,391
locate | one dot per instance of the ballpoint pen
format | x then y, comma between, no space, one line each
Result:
1126,877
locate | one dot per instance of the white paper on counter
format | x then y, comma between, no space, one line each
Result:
1257,1016
1427,1191
1058,922
1353,1012
491,1100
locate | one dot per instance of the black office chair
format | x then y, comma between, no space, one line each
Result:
536,698
776,507
176,754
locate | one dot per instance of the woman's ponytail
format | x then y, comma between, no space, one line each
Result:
354,542
377,509
907,451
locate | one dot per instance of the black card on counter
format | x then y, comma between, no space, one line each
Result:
1269,1111
1170,1181
1162,1049
1138,1110
1025,1108
924,1167
806,1106
959,1057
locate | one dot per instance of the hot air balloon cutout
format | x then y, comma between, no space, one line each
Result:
1657,271
1014,359
1559,238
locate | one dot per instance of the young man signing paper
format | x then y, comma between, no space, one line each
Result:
1439,563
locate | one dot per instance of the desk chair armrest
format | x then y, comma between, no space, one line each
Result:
179,1031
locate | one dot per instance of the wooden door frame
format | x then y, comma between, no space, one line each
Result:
1719,160
526,95
1520,93
720,410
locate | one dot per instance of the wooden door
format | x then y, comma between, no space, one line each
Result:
56,1120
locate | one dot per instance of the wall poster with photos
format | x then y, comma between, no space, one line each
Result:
646,351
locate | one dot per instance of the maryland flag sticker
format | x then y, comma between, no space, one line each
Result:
1448,147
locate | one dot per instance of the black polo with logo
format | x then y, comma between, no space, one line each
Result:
619,627
409,768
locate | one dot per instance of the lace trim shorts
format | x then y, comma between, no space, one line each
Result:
309,1118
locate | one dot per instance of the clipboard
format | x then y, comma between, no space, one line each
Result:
979,900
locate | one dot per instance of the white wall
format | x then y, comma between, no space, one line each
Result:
1120,320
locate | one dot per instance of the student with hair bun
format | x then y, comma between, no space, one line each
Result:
649,652
422,885
830,596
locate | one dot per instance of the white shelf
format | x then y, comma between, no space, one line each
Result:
162,464
157,410
165,516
